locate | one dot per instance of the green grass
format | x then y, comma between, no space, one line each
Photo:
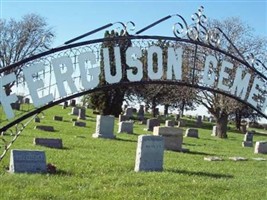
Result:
90,168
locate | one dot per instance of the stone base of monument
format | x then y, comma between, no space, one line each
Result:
27,161
173,137
97,135
261,147
247,144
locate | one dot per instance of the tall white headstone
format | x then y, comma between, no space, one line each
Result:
149,153
104,127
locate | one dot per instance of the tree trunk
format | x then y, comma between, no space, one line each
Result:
154,107
238,117
182,108
166,108
221,125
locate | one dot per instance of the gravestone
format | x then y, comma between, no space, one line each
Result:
177,117
104,127
141,113
261,147
73,102
123,118
156,111
213,158
126,126
81,113
45,128
204,117
199,121
15,106
243,128
151,123
37,119
129,112
63,106
149,153
181,123
191,132
49,142
169,123
173,137
74,111
26,100
73,120
214,131
58,118
80,124
66,104
211,119
248,139
27,161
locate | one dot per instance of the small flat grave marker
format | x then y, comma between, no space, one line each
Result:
149,153
191,132
261,147
259,159
80,124
27,161
45,128
49,142
238,158
58,118
213,158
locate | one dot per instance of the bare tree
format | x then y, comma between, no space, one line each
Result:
22,39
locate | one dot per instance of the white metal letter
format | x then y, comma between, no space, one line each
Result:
254,91
94,72
108,76
66,63
34,85
7,100
209,76
150,62
223,75
133,62
174,63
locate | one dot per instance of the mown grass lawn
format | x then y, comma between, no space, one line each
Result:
90,168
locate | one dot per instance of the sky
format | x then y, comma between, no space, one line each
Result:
71,18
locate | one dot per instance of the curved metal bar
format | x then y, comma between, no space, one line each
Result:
131,37
122,84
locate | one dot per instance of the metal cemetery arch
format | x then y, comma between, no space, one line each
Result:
45,69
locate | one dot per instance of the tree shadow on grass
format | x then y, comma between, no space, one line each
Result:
60,172
206,174
200,153
124,140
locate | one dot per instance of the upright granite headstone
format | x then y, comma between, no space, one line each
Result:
214,131
81,113
123,118
26,100
126,126
149,153
181,123
37,119
73,102
141,113
27,161
261,147
104,127
74,111
173,137
199,121
191,132
15,106
129,112
248,139
151,123
169,123
49,142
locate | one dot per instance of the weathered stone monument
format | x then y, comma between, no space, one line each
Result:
169,123
81,113
214,131
173,137
261,147
104,127
128,112
199,121
45,128
74,111
27,161
181,123
58,118
151,123
73,103
123,118
141,113
248,139
49,142
126,126
149,153
191,132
